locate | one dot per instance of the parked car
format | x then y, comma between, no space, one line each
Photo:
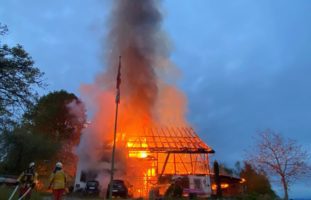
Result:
119,189
92,188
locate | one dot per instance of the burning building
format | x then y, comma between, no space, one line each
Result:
145,155
156,156
163,153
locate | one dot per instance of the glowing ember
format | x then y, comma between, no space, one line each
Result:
222,185
138,154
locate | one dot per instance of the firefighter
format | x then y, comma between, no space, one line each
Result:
58,181
27,181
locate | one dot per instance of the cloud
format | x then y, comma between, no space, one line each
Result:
61,36
245,64
246,68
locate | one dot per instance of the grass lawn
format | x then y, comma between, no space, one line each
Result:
5,193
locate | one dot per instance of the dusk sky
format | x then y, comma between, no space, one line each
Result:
245,64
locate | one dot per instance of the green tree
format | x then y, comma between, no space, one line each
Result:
18,78
20,146
257,184
59,116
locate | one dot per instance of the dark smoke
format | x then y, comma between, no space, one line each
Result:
146,98
136,35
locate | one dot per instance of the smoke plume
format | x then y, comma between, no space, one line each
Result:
147,97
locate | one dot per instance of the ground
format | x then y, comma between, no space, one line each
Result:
5,193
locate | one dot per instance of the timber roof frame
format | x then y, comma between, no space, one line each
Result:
169,140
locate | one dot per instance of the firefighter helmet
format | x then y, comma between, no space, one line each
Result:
59,165
32,164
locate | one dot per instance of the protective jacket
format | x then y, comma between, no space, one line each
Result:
28,178
58,180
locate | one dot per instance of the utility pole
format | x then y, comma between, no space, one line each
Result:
115,128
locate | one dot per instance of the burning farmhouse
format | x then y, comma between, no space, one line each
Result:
154,142
157,156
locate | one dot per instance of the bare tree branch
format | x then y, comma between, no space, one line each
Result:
280,157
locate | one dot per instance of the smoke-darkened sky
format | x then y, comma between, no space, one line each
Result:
245,65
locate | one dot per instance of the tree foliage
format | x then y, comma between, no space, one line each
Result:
280,157
20,147
59,116
18,78
49,131
3,29
257,184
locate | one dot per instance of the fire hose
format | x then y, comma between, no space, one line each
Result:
29,189
25,194
14,191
